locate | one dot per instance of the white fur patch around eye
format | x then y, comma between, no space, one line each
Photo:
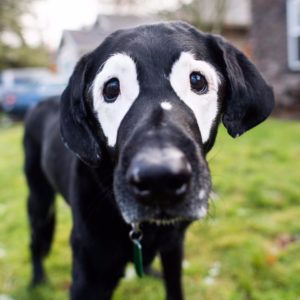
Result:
205,107
110,115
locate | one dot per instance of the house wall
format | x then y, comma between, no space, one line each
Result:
269,42
67,58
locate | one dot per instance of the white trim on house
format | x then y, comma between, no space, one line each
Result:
293,34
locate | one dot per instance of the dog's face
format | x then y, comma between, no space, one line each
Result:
152,97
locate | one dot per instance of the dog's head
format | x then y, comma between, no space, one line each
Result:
152,97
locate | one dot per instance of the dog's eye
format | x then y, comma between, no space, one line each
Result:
198,83
111,90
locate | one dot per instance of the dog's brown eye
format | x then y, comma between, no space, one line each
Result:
198,83
111,90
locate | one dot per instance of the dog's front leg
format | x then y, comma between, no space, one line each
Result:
171,262
96,270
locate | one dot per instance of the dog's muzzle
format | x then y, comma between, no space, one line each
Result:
161,185
159,176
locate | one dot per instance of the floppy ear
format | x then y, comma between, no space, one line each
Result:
249,100
76,129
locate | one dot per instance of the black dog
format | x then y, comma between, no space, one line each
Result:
139,115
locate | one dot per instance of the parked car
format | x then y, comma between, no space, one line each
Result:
25,87
19,101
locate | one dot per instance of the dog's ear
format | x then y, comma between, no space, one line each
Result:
75,126
249,100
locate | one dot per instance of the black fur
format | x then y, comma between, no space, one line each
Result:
93,177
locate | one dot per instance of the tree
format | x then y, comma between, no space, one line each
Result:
23,56
11,12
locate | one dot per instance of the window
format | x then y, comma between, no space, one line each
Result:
293,33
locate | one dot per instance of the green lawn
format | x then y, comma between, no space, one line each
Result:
248,248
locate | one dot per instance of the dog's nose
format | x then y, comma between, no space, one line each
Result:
160,174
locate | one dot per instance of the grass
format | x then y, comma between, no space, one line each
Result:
248,248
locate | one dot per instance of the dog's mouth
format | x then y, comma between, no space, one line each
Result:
165,219
167,222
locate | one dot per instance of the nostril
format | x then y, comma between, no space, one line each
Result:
139,184
141,188
178,183
181,190
141,191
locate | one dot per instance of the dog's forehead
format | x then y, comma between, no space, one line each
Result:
155,46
